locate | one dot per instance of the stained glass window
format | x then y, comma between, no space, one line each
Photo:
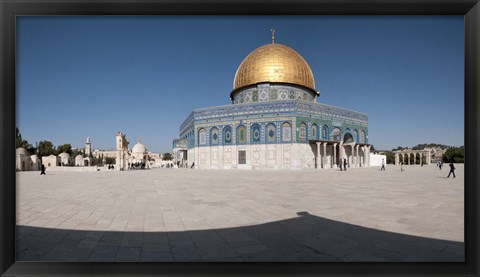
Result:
314,131
241,135
227,135
362,137
214,136
256,133
325,132
271,133
303,132
202,137
286,132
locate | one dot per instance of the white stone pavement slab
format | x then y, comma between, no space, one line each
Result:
362,214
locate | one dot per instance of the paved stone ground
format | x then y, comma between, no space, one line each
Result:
241,215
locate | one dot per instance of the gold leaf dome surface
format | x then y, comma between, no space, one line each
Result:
274,63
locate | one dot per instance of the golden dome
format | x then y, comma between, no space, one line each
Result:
274,63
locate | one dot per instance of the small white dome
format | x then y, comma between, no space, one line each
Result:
64,155
79,157
22,151
138,148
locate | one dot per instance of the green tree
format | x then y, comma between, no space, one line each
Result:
454,154
167,157
390,157
110,160
67,148
97,161
76,152
19,142
45,148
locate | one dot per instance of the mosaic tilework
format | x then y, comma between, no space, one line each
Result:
302,115
271,92
300,107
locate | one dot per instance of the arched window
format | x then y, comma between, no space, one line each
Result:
362,136
202,137
302,132
325,132
347,138
241,134
286,132
314,131
227,135
255,133
355,134
214,136
271,133
336,134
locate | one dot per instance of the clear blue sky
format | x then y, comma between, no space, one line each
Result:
81,77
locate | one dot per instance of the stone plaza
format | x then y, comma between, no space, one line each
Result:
165,215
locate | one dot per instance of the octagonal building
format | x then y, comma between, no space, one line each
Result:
273,122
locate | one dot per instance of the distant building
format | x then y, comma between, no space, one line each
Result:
25,161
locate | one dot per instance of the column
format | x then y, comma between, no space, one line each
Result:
324,157
340,152
368,155
421,161
354,160
352,164
358,155
317,158
428,157
334,164
408,156
397,159
414,158
364,148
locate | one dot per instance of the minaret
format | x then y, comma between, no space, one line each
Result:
88,148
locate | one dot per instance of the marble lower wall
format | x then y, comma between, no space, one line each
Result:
273,156
257,156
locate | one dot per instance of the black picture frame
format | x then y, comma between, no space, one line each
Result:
9,9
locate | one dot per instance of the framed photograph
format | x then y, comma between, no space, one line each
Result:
243,138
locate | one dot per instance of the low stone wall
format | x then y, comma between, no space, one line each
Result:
376,159
73,168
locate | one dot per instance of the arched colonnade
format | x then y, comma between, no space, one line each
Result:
408,156
330,153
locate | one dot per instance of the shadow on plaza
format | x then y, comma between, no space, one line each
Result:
304,238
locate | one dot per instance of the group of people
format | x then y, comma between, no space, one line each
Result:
440,164
111,166
451,165
136,165
178,164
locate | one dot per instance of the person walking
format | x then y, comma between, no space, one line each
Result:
383,165
452,170
440,165
345,164
42,167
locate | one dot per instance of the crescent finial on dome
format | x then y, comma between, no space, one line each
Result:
273,35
